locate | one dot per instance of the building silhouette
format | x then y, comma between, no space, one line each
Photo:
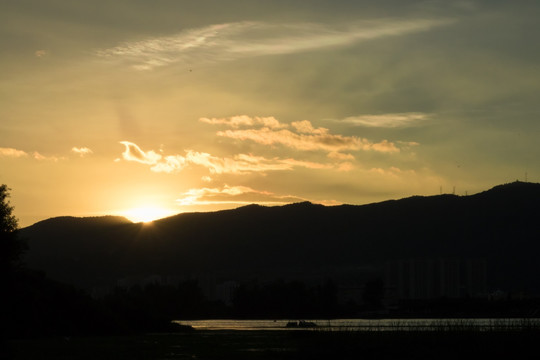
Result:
432,278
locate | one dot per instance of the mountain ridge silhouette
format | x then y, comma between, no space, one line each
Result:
300,240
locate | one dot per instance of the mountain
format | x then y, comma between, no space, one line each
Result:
302,240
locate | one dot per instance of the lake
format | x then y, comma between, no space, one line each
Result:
370,324
263,340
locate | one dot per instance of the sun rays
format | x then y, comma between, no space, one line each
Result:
147,214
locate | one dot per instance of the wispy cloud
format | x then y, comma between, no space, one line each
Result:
133,152
299,135
229,41
246,163
408,144
391,171
11,152
15,153
81,151
169,164
388,120
340,156
309,139
305,127
40,157
160,163
244,120
238,164
234,195
41,53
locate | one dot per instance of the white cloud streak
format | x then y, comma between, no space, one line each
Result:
230,41
304,136
133,152
240,195
160,163
36,155
81,151
340,156
388,120
14,153
238,164
247,163
11,152
244,120
234,195
319,139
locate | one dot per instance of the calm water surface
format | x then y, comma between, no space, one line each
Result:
369,325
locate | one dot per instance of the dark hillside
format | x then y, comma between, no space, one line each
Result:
301,240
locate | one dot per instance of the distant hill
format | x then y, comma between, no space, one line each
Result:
301,240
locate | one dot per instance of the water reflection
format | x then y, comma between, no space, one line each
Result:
371,325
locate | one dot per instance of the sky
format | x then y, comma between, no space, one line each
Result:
151,108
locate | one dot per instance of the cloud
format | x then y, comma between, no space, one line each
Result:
14,153
170,164
391,171
306,164
340,156
316,139
235,195
408,144
134,153
36,155
247,163
41,53
238,164
303,136
244,120
230,41
305,127
234,121
159,163
388,120
81,151
384,146
345,166
392,177
11,152
240,195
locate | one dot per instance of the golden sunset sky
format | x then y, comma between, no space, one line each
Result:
120,107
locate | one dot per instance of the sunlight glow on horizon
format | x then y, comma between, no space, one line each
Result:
147,214
211,108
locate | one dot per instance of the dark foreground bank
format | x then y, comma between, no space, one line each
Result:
313,344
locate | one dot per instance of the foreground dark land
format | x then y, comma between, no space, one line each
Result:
314,344
49,313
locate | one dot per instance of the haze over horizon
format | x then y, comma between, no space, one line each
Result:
140,108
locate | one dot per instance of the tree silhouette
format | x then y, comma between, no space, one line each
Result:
11,247
373,293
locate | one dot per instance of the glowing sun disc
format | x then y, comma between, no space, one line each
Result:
147,214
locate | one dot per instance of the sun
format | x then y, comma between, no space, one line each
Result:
147,214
